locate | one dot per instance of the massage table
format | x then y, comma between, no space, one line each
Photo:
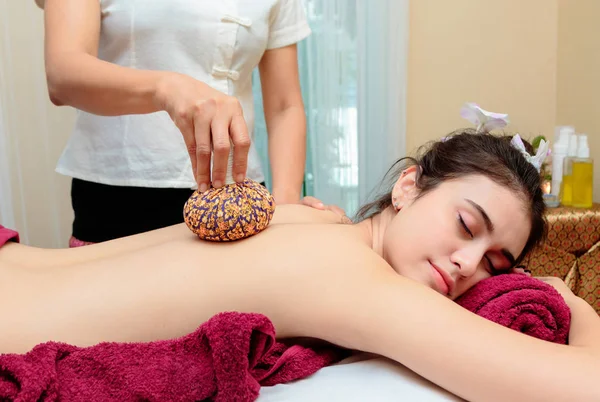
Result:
359,378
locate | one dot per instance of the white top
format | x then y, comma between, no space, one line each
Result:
218,42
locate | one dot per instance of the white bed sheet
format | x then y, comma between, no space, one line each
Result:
359,378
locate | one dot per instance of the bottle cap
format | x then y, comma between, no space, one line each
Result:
572,149
561,143
583,150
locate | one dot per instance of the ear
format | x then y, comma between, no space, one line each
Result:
405,190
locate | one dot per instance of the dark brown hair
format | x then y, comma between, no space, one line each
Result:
463,153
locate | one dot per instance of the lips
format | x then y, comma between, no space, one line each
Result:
443,280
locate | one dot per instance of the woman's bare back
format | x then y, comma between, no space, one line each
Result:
291,272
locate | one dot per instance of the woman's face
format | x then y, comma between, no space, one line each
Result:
463,231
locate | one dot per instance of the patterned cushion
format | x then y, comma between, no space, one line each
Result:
572,251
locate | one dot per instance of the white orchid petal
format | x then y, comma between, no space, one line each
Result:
494,123
470,112
499,116
540,155
483,119
517,142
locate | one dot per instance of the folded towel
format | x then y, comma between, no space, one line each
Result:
522,303
226,359
7,235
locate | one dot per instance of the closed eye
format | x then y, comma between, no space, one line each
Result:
464,225
491,265
466,229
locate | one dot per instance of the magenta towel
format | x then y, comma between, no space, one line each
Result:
7,235
227,359
522,303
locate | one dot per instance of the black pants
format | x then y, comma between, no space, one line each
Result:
104,212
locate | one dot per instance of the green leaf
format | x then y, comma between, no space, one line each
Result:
536,142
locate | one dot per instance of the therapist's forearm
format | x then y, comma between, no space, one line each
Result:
87,83
287,152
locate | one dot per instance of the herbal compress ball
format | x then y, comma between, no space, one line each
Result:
232,212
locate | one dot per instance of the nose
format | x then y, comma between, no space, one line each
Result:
467,260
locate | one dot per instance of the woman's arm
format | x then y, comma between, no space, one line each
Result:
286,121
208,119
585,326
470,356
585,323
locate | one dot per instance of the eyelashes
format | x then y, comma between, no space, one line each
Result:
492,267
467,231
464,226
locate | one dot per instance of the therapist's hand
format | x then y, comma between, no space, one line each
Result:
209,120
318,204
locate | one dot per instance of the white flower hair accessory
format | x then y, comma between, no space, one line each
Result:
484,120
487,121
538,158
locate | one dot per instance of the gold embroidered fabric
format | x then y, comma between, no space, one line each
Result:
572,251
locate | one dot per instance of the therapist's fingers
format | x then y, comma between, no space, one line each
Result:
221,147
203,117
312,202
337,210
241,145
187,130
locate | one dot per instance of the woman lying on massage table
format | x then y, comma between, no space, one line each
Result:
468,208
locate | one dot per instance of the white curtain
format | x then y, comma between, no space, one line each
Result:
353,73
382,79
33,198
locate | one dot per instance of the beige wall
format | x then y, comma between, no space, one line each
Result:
578,91
537,60
501,54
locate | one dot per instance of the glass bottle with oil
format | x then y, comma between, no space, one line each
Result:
566,189
583,175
